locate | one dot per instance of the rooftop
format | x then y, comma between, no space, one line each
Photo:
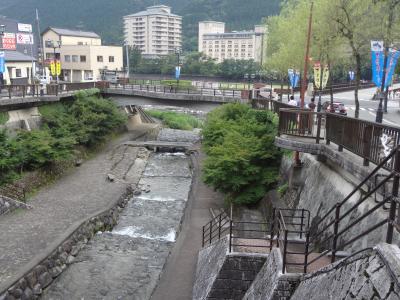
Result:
70,32
154,10
16,56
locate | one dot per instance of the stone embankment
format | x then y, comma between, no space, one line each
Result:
37,244
8,205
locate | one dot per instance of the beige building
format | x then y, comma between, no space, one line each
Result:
82,55
18,68
155,31
221,45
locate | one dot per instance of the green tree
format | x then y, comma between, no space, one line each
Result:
242,160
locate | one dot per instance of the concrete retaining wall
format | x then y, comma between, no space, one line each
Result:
41,272
223,275
270,283
368,275
320,187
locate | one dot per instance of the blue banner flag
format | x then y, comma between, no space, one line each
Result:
177,72
293,78
393,57
377,55
2,62
351,75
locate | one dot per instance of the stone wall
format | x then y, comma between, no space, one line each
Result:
8,205
223,275
320,187
372,274
270,283
32,282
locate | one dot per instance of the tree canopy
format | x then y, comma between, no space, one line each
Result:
242,160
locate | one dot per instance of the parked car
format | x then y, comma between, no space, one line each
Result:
338,108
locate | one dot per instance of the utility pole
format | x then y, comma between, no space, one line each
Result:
127,60
304,79
306,59
40,42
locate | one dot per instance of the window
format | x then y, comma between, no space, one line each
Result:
111,59
83,58
80,43
18,73
99,58
67,58
75,58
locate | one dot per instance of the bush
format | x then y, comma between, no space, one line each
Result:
3,118
242,160
176,120
86,121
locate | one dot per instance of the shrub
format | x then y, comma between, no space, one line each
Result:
242,160
176,120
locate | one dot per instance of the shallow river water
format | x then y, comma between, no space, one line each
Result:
127,262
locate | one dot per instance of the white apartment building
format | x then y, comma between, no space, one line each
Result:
221,45
82,55
155,31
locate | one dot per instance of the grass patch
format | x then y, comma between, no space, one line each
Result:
176,120
3,118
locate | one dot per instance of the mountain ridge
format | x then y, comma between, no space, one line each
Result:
105,16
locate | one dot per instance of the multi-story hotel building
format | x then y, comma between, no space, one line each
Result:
221,45
155,31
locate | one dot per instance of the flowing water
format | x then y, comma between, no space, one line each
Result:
127,262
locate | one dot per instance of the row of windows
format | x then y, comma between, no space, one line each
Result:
82,58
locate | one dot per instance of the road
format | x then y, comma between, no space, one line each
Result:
368,107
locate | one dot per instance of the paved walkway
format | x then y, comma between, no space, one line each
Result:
178,278
27,235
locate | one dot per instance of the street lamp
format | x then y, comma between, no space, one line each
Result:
54,45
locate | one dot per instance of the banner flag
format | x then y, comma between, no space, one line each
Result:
393,57
317,75
325,76
53,68
296,78
351,75
58,68
377,55
177,72
2,62
293,77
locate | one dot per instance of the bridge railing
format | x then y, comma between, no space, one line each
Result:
163,89
37,90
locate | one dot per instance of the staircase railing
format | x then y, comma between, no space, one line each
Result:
216,228
334,223
291,226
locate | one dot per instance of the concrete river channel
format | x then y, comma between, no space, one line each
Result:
127,262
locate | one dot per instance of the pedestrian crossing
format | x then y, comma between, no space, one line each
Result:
361,108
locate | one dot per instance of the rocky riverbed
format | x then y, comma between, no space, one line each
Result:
126,263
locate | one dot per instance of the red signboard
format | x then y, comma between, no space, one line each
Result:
9,42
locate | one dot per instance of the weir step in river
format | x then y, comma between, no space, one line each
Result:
127,262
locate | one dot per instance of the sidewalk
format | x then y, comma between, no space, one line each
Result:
178,277
27,234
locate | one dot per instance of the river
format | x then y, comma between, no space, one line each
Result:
127,262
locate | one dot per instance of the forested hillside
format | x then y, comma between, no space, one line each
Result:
105,16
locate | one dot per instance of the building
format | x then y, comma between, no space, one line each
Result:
20,52
221,45
155,31
81,53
